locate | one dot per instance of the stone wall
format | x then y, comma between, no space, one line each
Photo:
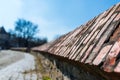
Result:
59,68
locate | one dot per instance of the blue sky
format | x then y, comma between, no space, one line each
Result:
54,17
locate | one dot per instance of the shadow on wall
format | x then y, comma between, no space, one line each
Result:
59,68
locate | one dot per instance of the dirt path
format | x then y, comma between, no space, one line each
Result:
16,65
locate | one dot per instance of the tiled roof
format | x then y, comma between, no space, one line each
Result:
97,42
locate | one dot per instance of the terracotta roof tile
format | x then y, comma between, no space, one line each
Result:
96,43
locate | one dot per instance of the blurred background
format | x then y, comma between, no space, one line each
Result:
29,23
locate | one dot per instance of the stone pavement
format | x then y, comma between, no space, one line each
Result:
16,65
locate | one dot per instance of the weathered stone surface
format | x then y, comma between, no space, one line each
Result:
61,69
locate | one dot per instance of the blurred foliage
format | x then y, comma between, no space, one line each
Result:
24,33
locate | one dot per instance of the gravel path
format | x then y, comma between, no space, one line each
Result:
17,66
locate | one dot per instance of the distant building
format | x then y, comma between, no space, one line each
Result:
4,38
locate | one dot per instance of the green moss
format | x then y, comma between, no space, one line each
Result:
46,78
